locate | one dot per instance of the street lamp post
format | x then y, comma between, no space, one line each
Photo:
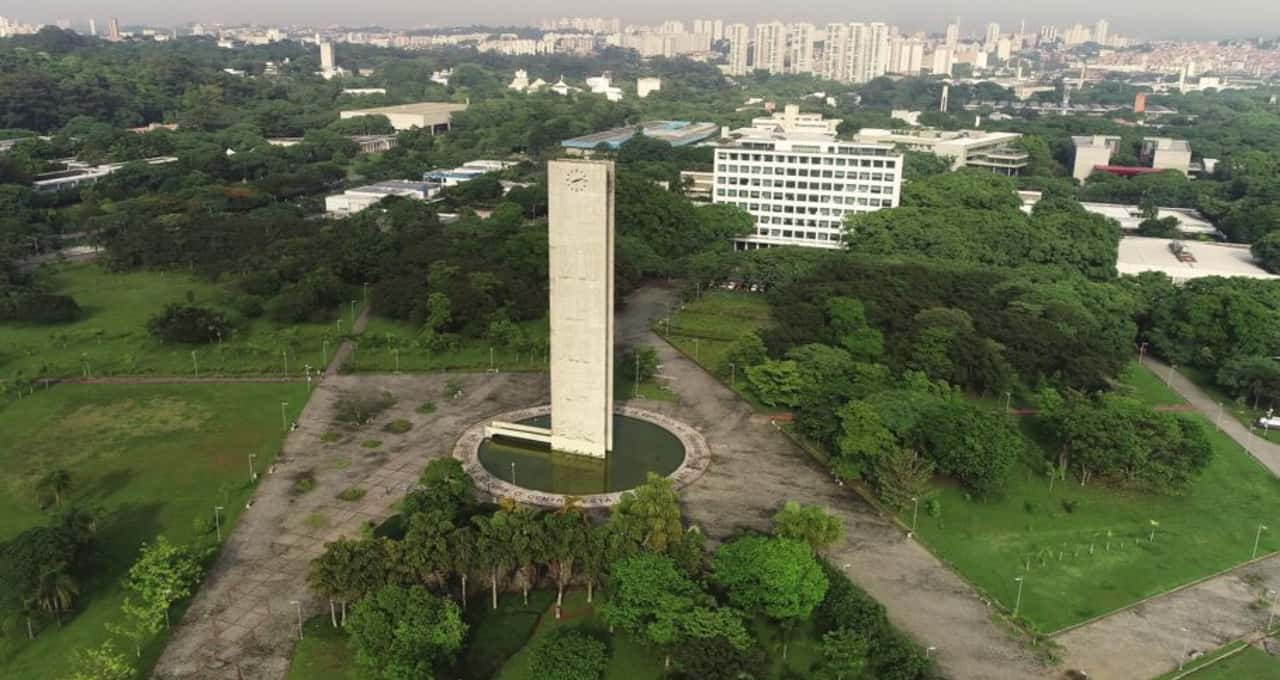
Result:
253,474
733,372
284,420
217,520
324,349
928,651
1168,375
1017,604
1142,350
353,316
195,361
1186,643
1271,610
298,605
915,513
285,354
513,472
1008,402
1218,420
307,369
636,391
1257,539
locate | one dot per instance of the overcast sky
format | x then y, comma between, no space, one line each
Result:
1140,18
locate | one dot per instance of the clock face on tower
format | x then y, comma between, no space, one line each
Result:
576,181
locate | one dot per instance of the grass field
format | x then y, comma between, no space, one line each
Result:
1250,664
387,344
706,329
111,337
1098,555
1243,411
154,459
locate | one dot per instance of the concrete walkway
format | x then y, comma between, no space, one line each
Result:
1266,452
755,469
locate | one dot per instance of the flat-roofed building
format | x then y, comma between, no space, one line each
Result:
791,120
78,174
1091,152
673,132
965,148
697,184
355,200
1164,153
433,116
799,187
1186,260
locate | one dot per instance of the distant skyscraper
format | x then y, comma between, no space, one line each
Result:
857,52
953,33
739,37
1101,32
326,57
93,27
717,29
113,29
993,35
770,47
800,41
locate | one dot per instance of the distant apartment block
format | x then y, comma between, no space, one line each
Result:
1092,152
1158,154
992,151
673,132
1163,153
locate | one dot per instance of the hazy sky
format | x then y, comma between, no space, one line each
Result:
1141,18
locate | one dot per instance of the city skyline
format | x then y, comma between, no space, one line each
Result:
1145,19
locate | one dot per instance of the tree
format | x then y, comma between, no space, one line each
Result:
717,658
1250,377
401,633
849,324
162,575
102,663
462,549
493,547
56,483
1267,251
348,570
844,654
777,383
641,360
567,535
568,654
444,485
56,592
774,577
746,351
970,443
864,442
810,524
189,324
650,514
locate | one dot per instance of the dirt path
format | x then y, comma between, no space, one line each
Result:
243,622
345,350
755,468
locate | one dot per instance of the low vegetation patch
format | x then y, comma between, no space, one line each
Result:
352,494
356,409
426,408
399,426
303,482
371,443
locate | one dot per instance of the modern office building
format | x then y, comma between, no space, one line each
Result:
800,186
434,116
1163,153
673,132
647,86
791,120
1091,152
965,148
113,29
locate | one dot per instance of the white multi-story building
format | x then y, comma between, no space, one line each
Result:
739,37
993,34
1101,32
857,52
770,47
799,187
800,48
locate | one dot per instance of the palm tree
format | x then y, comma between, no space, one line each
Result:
425,548
526,548
566,536
462,556
55,482
56,592
493,552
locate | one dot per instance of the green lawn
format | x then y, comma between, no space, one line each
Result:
1251,664
154,459
1140,383
706,328
111,337
322,654
1244,411
1073,571
388,344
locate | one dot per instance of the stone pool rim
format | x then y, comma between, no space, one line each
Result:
697,457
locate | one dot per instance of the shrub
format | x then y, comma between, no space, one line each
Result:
568,655
330,437
399,426
46,308
371,443
189,324
352,494
304,482
426,408
358,408
453,388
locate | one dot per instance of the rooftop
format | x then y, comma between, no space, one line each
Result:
1139,254
674,132
420,108
392,187
929,135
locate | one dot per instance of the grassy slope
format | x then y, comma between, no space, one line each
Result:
112,339
1252,663
706,328
1210,528
376,353
153,457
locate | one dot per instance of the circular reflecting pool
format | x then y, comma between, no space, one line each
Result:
639,447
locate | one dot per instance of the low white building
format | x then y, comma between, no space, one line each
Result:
1186,260
434,116
466,172
791,120
355,200
79,174
964,148
647,86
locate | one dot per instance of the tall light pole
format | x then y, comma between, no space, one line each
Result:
1257,539
915,513
196,362
366,292
1271,610
324,349
298,605
353,316
285,354
1218,422
513,472
929,650
1168,375
253,473
733,373
1017,604
307,369
1008,403
1186,643
1142,350
636,391
284,420
217,520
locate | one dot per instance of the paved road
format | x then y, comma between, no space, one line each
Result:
1266,452
755,469
1151,638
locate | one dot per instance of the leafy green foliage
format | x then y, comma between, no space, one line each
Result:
810,524
189,324
401,633
568,655
776,577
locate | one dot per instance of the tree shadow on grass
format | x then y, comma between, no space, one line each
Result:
105,485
